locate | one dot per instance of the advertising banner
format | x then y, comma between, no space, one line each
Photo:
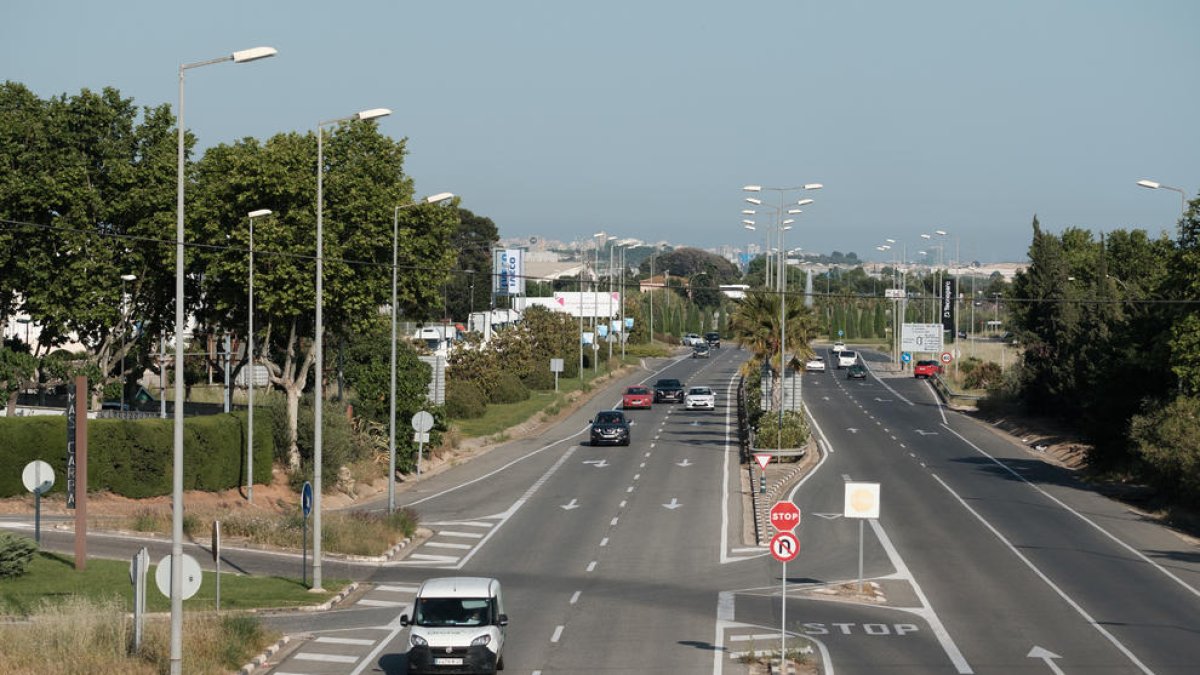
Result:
949,293
508,271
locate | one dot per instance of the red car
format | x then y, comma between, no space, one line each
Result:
927,369
637,397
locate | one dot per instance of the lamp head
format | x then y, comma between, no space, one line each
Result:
752,200
372,113
752,188
259,213
439,197
253,54
1149,184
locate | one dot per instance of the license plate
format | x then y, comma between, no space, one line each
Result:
447,662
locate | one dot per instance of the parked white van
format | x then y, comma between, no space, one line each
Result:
458,626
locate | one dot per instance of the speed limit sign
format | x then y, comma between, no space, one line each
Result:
947,357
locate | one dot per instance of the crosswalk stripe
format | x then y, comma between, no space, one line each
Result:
327,658
393,588
433,558
472,535
380,603
343,641
463,523
761,636
439,544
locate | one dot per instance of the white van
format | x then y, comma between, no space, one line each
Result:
846,358
458,626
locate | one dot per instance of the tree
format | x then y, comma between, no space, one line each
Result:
688,262
755,324
368,374
473,241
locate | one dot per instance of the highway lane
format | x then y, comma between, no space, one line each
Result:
1013,555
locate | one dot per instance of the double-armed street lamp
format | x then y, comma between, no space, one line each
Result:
176,649
431,199
260,213
318,348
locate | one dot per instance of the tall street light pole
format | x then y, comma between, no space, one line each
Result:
1153,185
319,388
432,199
124,322
244,56
251,375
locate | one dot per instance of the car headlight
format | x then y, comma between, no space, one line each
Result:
417,641
481,640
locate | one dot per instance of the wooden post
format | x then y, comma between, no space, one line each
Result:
81,425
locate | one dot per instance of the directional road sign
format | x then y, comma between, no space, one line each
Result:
785,546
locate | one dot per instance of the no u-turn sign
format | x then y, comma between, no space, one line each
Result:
785,546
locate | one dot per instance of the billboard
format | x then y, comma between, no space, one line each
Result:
949,294
589,304
508,271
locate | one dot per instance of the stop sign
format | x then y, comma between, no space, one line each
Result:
785,516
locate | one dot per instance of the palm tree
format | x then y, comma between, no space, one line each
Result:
755,325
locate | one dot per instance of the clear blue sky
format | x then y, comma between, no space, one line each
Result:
645,118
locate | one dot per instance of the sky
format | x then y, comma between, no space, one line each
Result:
645,119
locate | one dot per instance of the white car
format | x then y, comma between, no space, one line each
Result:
815,365
700,398
838,347
692,339
847,358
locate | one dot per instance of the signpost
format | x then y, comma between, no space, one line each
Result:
137,575
422,422
785,546
216,554
38,478
306,505
861,502
556,367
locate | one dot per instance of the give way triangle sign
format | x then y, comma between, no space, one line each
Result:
763,460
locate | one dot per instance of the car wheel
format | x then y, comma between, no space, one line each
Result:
626,443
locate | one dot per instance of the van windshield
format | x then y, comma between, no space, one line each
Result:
452,612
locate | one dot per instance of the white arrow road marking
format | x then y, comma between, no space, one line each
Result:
574,504
1047,656
926,433
683,463
598,463
852,430
883,400
825,398
673,505
828,516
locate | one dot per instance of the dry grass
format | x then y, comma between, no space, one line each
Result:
77,635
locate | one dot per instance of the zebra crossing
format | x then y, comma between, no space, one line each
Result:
453,541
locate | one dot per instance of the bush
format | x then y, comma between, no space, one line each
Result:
1167,438
541,380
794,431
983,376
464,400
508,389
15,554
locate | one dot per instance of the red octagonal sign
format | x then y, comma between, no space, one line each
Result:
785,516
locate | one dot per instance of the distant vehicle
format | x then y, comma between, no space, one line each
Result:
668,390
857,372
691,339
637,397
713,340
928,368
700,351
846,358
611,427
838,347
700,398
458,626
815,365
962,335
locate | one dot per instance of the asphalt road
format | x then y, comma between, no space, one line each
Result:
630,559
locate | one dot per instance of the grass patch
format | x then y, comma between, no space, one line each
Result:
500,416
52,578
88,635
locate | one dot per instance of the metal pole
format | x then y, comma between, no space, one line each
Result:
652,255
783,619
177,454
162,376
608,319
621,286
122,353
228,388
318,384
860,555
392,376
250,377
582,271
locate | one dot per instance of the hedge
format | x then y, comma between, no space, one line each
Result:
133,458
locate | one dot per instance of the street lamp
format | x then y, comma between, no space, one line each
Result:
124,321
431,199
260,213
1153,185
244,56
318,385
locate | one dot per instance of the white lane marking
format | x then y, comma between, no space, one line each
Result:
394,629
637,476
757,636
897,394
937,400
344,641
1062,594
591,566
462,523
613,521
325,658
433,558
380,603
469,535
396,588
622,504
730,457
647,454
557,634
629,489
575,597
604,542
642,465
438,544
1056,500
926,610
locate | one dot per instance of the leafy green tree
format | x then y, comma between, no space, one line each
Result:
755,323
17,368
368,373
1167,438
473,241
1185,279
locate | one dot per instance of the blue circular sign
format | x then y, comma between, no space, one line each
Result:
306,499
905,357
841,333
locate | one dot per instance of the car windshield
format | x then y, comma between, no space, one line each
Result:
452,612
926,363
610,418
700,391
668,383
848,354
637,391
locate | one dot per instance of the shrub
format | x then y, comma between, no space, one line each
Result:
794,431
15,554
983,376
540,379
508,389
464,400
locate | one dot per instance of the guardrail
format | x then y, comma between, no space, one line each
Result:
951,396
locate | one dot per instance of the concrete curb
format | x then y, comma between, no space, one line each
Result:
386,557
261,660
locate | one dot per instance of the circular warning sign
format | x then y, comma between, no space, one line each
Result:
947,357
785,546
